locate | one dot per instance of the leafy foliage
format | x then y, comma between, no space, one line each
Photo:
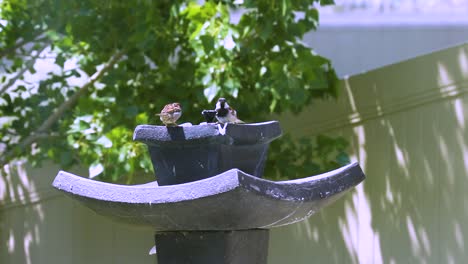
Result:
136,56
305,156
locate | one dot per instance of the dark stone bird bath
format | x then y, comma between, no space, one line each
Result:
213,207
185,154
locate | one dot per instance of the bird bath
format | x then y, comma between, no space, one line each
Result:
210,204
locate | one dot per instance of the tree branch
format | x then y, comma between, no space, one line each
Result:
18,75
58,113
19,44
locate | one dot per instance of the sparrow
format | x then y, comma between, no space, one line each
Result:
170,114
226,114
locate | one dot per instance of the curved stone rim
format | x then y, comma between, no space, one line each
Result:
232,200
206,133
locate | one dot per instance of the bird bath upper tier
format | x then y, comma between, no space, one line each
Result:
189,153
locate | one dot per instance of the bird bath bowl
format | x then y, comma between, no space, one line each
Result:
190,153
210,204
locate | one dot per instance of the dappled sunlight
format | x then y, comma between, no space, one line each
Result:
350,95
349,227
406,125
3,189
308,230
425,241
24,180
413,147
46,227
354,116
458,234
400,156
463,62
445,155
361,240
443,77
27,240
20,235
412,234
461,134
304,228
360,135
420,244
11,242
459,112
428,172
465,156
390,198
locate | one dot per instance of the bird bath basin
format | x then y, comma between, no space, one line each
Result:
189,153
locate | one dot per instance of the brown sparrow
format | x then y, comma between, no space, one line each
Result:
170,114
226,114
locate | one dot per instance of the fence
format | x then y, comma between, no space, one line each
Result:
408,128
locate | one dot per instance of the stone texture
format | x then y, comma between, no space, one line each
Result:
232,200
185,154
222,247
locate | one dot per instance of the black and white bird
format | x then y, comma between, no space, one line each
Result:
226,114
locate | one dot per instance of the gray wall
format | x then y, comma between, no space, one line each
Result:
407,124
357,43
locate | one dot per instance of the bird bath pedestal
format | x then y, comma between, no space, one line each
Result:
210,204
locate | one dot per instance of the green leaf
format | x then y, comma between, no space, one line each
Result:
6,121
313,14
131,111
60,60
273,105
104,141
76,73
276,68
83,125
95,169
66,158
343,159
142,118
327,2
265,30
211,92
284,7
32,70
208,43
